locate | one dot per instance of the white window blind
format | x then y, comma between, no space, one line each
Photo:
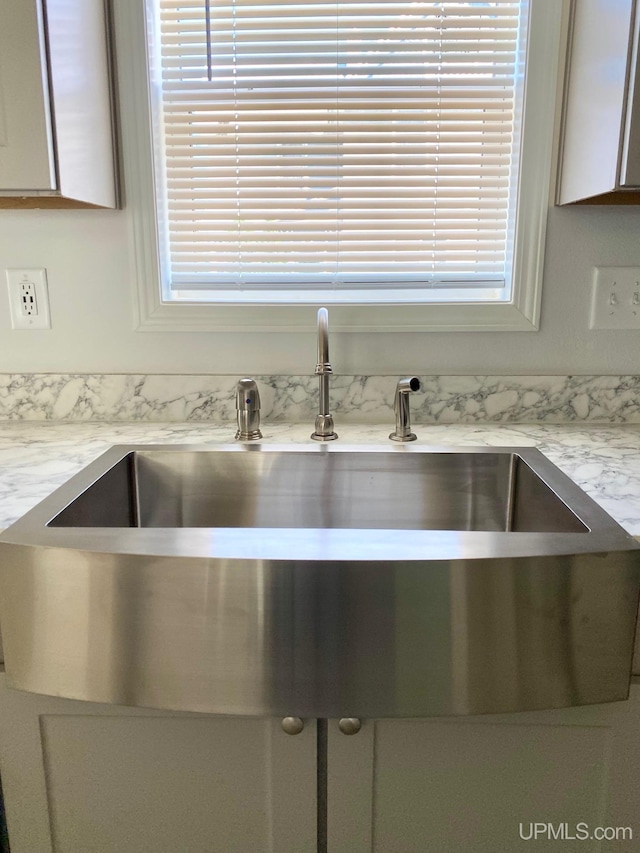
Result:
339,145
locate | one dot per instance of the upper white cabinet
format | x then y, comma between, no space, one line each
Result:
56,125
600,162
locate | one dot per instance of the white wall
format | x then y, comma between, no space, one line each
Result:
88,257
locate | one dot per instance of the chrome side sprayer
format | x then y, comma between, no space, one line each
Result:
402,409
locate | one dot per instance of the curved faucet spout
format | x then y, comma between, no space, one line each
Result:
323,365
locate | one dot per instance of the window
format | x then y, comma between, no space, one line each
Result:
352,153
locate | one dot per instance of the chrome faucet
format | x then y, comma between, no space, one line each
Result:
402,409
324,430
248,410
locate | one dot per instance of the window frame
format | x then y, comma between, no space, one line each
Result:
537,171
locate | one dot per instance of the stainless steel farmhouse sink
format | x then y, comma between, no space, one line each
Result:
320,581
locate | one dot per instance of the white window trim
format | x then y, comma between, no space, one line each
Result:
521,313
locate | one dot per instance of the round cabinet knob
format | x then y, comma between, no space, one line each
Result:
292,725
349,725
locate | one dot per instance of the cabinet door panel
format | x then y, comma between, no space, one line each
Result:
84,778
481,784
630,162
26,152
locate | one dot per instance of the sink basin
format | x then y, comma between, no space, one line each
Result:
320,581
351,490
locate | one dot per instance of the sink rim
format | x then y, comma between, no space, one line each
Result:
327,544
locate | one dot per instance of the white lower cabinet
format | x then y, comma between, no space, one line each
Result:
481,784
85,778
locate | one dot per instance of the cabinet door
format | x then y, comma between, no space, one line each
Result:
630,155
482,783
84,778
26,153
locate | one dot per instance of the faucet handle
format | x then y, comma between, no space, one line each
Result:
402,409
248,410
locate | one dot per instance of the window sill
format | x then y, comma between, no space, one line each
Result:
199,317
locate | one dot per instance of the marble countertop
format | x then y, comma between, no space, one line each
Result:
37,457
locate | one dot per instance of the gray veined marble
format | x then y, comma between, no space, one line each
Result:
354,399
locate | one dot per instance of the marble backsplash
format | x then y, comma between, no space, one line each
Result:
354,399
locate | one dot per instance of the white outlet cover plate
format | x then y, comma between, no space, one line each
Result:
15,278
613,295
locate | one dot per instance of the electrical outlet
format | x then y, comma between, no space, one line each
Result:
615,300
29,299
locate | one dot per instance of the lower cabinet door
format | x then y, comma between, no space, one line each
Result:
547,781
85,778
